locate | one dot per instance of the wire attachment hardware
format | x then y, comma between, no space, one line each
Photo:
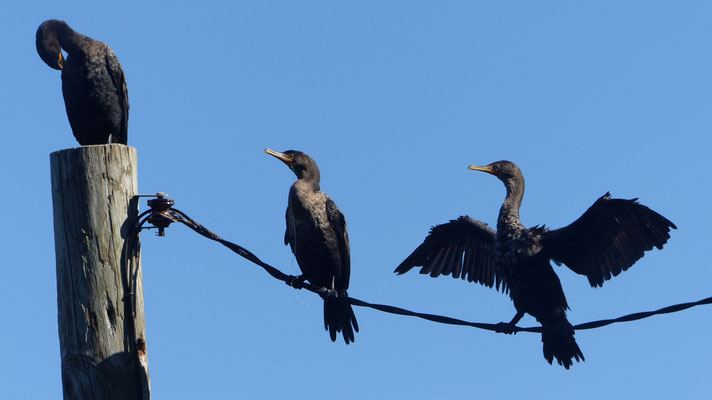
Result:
160,218
159,215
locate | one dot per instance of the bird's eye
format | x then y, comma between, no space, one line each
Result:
495,167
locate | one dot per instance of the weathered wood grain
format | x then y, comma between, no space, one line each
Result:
103,351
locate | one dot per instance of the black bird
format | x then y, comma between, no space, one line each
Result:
316,232
93,84
607,239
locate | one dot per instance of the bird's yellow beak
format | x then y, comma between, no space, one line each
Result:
60,61
486,168
286,158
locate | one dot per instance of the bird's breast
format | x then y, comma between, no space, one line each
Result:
515,247
314,241
308,206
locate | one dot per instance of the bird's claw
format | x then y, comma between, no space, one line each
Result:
506,328
327,293
296,282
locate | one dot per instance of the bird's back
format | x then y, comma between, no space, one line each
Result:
95,94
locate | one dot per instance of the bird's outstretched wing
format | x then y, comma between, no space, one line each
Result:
608,238
338,224
463,248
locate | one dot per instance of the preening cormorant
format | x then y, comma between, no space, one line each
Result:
607,239
316,232
93,84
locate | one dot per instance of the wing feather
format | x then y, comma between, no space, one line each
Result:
462,248
608,238
116,73
338,224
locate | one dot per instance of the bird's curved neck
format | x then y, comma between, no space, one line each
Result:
509,212
68,38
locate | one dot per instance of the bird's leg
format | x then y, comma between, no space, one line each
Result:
325,293
509,328
296,282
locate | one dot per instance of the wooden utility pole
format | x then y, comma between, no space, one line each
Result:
103,348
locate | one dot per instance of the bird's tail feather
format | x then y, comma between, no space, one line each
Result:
339,317
559,343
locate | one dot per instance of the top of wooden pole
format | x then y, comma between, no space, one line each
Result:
103,348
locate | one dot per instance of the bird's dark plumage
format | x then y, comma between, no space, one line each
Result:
316,233
93,84
607,239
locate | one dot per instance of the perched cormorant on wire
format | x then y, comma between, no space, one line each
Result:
607,239
93,84
316,232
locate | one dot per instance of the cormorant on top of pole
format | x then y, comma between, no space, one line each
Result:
93,83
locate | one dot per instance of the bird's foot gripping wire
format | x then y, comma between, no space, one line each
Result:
506,328
296,282
327,293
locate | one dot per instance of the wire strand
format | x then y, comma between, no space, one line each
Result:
179,216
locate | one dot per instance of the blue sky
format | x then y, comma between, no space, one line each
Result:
393,100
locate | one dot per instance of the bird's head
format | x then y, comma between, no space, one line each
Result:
506,171
47,42
301,164
503,170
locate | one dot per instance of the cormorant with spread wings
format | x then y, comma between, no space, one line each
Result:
607,239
